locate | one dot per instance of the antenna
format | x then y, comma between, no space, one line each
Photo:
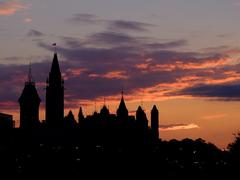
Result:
95,104
122,92
104,101
30,78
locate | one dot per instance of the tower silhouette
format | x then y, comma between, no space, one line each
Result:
104,112
122,112
141,121
55,96
80,116
29,102
155,122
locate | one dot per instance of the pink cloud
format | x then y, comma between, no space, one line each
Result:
111,75
215,116
8,8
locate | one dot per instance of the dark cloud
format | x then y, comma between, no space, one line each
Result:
98,60
216,49
35,33
72,42
107,53
128,25
219,91
84,18
167,56
115,25
167,45
112,38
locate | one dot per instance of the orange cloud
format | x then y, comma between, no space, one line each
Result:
8,8
216,116
111,75
148,66
179,127
76,71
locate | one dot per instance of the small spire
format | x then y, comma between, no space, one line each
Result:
30,78
95,104
122,92
104,101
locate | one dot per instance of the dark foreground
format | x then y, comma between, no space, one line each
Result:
69,153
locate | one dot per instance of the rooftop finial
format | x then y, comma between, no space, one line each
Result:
55,47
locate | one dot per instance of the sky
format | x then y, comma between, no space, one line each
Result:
182,55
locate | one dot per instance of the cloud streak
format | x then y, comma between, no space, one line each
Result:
226,92
35,33
84,18
215,116
114,25
128,25
175,127
8,8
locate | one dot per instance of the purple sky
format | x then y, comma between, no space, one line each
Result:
172,53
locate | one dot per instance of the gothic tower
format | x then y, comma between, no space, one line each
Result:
55,96
155,122
122,112
29,102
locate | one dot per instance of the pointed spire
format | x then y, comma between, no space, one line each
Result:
80,115
122,92
140,109
154,108
122,111
104,103
30,78
55,65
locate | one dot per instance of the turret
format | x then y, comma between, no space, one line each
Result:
29,102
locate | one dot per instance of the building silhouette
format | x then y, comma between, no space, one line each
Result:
55,96
126,126
141,123
6,121
122,113
155,122
69,121
29,102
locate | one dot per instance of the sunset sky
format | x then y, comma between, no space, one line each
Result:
182,55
